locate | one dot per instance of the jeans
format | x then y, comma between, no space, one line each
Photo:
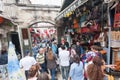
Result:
3,70
34,56
26,74
52,72
42,67
65,72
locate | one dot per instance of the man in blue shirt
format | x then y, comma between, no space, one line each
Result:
35,49
79,49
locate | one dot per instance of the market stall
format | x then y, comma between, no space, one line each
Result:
115,37
86,22
94,22
6,26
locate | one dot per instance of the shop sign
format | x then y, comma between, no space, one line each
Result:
71,8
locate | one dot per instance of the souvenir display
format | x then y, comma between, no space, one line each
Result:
91,24
117,16
85,20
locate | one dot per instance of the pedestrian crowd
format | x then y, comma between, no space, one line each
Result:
72,61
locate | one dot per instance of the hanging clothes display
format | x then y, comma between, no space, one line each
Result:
117,16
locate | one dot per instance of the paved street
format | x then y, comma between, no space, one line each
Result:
59,77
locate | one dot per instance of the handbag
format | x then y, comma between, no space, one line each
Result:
95,27
85,30
83,19
78,30
75,24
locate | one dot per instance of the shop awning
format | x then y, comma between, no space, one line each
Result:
6,21
66,3
75,4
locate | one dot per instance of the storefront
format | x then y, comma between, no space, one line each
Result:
6,26
84,20
93,22
63,20
114,10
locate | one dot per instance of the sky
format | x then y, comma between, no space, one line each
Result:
48,2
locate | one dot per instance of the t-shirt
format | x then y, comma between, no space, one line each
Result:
40,58
64,58
27,62
76,71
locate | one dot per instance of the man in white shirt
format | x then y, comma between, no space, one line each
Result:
27,62
64,57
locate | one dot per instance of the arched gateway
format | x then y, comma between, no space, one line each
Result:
26,35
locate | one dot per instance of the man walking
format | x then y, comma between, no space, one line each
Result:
27,62
35,49
64,57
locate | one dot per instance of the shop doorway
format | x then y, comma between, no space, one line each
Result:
14,37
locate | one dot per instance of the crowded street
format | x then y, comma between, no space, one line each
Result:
59,39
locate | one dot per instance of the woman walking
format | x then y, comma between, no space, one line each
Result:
95,71
51,63
76,69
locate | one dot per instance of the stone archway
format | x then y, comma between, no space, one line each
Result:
50,24
42,21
